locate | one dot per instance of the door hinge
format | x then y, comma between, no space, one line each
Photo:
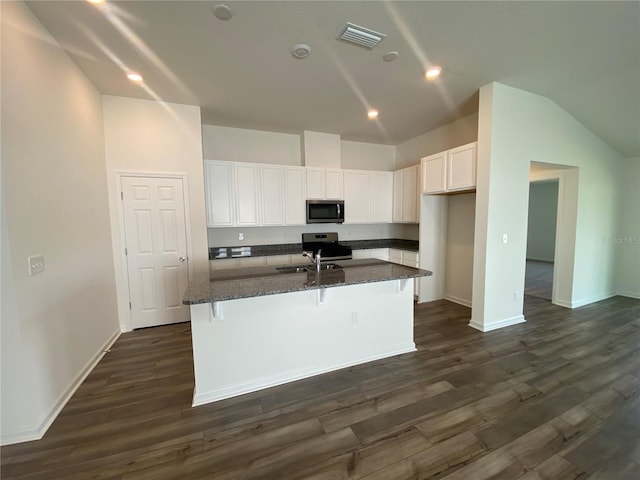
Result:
126,252
121,196
129,305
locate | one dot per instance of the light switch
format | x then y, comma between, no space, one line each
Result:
36,264
505,238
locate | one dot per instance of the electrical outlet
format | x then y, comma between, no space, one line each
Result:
355,318
241,236
36,264
505,238
516,296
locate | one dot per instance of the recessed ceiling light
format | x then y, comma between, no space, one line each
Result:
96,2
432,72
301,50
390,56
222,12
372,113
134,77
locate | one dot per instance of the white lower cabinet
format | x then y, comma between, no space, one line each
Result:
379,253
407,258
279,259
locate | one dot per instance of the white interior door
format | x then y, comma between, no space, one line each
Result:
155,230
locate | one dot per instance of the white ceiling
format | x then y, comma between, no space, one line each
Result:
583,55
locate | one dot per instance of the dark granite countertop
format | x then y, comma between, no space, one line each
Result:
219,253
259,281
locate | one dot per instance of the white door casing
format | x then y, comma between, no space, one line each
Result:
156,247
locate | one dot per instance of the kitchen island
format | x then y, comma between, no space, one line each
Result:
258,327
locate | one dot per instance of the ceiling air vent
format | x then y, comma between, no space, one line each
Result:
361,36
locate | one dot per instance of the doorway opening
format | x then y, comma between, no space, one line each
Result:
541,238
552,186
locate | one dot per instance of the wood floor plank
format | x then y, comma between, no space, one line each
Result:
556,397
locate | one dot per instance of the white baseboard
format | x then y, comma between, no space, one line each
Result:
563,303
458,300
36,433
626,293
200,398
487,327
587,301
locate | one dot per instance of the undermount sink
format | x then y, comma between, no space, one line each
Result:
307,268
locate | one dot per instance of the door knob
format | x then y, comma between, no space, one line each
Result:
182,259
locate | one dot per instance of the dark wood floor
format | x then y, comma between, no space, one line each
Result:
538,279
555,398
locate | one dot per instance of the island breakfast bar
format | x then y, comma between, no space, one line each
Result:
258,327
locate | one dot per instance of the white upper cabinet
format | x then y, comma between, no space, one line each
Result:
434,171
397,196
410,194
405,195
295,194
315,183
380,197
272,194
461,167
356,196
246,176
324,184
333,184
450,171
219,193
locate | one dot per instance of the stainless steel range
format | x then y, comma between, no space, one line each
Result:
331,250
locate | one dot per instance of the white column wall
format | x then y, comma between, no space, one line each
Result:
516,128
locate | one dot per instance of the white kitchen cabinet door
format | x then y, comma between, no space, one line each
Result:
279,259
252,262
333,184
410,194
379,253
356,196
397,196
461,167
315,183
395,255
294,196
246,182
219,193
434,171
359,254
224,264
272,195
451,171
380,197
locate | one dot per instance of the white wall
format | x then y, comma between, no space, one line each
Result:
626,242
454,134
541,225
143,136
54,202
459,257
368,156
516,128
244,145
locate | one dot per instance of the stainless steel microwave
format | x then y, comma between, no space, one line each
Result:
325,211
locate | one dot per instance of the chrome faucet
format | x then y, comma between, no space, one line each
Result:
317,260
